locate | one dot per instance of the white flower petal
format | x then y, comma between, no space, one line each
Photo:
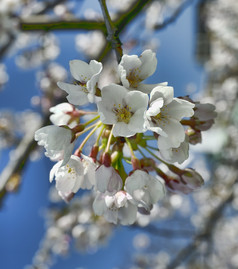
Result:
80,70
136,100
179,109
122,129
148,64
155,107
77,95
175,132
166,92
179,154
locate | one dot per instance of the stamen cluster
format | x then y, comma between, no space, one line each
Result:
137,127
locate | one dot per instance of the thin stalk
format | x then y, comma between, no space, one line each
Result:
130,147
87,129
150,147
155,156
141,152
92,120
109,141
100,134
88,136
148,137
90,112
112,35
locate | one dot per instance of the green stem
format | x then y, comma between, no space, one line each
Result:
112,35
34,25
87,129
152,148
109,141
92,120
141,152
148,137
156,157
88,136
100,134
130,147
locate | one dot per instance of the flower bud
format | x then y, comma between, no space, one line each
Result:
192,178
195,136
186,182
147,163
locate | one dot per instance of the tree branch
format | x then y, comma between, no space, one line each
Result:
112,35
33,25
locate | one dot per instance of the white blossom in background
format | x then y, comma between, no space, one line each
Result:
69,177
125,109
90,43
164,115
3,75
133,70
57,142
87,76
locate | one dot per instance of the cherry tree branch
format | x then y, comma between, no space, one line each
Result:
112,35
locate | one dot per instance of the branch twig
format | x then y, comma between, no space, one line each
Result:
112,34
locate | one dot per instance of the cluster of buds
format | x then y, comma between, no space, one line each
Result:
143,119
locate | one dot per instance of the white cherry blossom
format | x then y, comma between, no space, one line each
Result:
133,69
164,115
57,142
145,189
107,180
87,76
119,207
125,109
179,154
89,172
61,115
186,182
69,177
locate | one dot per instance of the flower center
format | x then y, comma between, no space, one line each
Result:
133,77
161,117
123,113
70,170
83,85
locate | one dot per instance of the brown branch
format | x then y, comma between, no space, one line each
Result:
32,24
19,157
112,35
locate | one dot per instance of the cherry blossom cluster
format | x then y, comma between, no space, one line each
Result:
135,127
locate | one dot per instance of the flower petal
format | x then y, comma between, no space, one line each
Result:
175,132
80,70
166,92
77,94
179,109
